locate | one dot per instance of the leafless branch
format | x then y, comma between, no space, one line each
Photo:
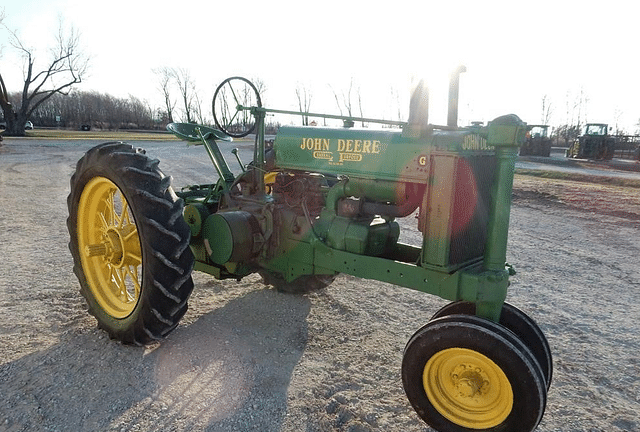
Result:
165,75
66,67
304,102
187,90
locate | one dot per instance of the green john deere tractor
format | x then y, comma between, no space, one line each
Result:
594,143
537,142
316,203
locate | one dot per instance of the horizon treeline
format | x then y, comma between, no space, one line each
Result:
96,110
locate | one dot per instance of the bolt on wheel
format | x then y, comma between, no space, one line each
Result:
467,388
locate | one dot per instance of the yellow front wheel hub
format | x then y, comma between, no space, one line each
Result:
109,246
468,388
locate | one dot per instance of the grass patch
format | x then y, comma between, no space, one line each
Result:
120,135
112,135
584,178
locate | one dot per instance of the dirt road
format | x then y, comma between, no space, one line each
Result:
246,358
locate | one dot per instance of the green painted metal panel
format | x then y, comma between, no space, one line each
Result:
369,153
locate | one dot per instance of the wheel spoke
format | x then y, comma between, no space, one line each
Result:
124,215
233,118
133,274
235,97
119,283
133,233
133,258
110,210
103,220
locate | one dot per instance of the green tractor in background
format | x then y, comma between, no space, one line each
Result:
537,142
319,202
595,143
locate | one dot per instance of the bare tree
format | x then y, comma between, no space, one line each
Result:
66,68
335,95
360,105
574,112
137,113
187,89
93,109
260,86
344,100
546,110
165,77
617,114
197,109
304,102
222,109
394,105
579,105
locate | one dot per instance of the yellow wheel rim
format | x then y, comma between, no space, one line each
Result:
109,247
467,388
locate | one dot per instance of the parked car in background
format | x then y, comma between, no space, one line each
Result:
27,125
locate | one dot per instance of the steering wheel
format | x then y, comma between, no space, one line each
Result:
231,103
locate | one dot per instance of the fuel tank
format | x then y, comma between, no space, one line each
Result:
372,154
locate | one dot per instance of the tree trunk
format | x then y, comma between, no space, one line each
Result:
15,122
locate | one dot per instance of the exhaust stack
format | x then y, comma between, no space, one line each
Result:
418,111
454,86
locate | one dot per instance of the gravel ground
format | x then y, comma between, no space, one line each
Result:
247,358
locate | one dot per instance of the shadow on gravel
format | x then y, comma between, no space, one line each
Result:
229,370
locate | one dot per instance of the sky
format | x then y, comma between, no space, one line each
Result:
516,52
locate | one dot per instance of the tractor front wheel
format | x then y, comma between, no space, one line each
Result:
129,242
463,373
524,327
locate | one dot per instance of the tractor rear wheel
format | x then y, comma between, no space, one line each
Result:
463,373
129,242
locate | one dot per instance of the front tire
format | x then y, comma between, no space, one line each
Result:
130,243
520,324
463,373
